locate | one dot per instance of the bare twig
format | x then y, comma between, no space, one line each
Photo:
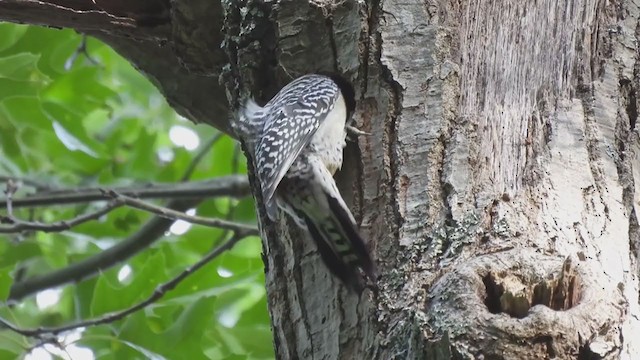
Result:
10,189
27,181
45,339
232,185
117,199
158,293
178,215
21,225
81,50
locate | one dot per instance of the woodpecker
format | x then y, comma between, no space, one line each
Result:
297,142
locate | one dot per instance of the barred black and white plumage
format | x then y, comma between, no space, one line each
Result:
297,140
294,115
310,196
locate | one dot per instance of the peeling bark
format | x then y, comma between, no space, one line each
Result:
499,189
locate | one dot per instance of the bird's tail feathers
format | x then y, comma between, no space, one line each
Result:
357,244
333,260
271,207
340,245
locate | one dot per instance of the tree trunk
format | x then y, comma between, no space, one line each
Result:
498,188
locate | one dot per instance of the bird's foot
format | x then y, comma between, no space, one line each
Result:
353,132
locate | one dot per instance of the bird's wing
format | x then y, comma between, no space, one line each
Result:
294,115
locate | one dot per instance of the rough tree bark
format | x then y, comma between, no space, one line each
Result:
498,190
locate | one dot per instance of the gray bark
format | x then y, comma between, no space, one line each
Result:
499,188
516,180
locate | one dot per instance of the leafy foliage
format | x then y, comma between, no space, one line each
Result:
68,122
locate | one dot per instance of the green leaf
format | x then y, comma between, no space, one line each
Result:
231,305
11,88
107,346
71,142
83,296
126,222
192,322
11,345
67,126
142,161
6,280
55,46
110,295
77,89
10,34
50,245
20,67
258,344
182,340
15,252
25,111
245,210
249,247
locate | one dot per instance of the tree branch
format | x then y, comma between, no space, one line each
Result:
232,185
193,193
178,215
81,50
10,189
158,293
149,233
83,16
21,225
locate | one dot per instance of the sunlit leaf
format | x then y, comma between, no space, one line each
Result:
11,345
11,33
192,322
5,281
71,142
20,67
249,247
111,295
13,88
25,111
19,251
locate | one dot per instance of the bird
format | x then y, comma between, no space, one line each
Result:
296,141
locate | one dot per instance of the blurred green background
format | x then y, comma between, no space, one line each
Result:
73,121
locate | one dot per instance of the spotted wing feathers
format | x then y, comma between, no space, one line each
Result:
291,119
